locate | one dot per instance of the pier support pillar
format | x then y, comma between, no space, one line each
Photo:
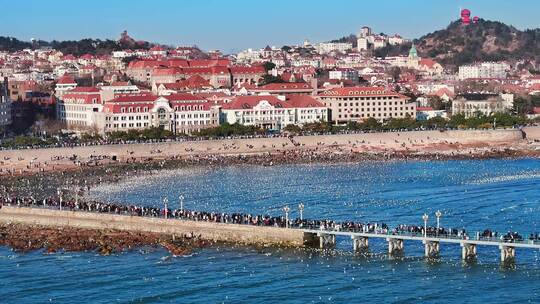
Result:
468,251
327,240
395,246
508,254
311,240
431,249
360,244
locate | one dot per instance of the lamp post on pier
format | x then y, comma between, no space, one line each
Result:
286,209
301,209
59,192
77,187
425,217
166,203
438,214
181,199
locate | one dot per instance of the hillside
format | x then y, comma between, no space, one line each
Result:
484,41
462,44
77,48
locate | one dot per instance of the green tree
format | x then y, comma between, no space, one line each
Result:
267,78
268,66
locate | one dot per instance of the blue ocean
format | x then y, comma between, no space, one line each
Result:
501,195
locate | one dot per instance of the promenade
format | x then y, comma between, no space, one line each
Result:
452,143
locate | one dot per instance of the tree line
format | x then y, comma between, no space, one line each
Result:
479,121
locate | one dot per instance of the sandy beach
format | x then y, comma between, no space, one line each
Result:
462,143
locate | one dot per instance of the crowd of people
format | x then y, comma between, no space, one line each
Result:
255,220
71,143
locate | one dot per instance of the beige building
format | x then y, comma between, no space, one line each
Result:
471,105
361,103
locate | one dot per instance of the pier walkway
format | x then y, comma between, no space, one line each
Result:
250,229
327,238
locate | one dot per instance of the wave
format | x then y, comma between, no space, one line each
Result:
505,178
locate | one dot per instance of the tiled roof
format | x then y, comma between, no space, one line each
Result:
358,92
248,102
66,79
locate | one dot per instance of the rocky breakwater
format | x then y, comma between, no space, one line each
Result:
22,237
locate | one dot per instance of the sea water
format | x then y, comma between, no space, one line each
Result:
501,195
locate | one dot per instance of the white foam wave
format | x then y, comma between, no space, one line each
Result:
506,178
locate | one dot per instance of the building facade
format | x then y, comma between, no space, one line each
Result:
471,105
483,70
328,47
274,112
361,103
344,74
178,113
286,88
78,107
64,84
5,106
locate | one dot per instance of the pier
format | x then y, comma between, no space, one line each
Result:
251,234
326,239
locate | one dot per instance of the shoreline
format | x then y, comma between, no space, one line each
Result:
81,178
415,145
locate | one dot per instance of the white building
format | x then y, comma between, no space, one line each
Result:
65,83
363,44
344,74
365,31
328,47
395,40
484,70
178,113
429,88
83,110
274,112
77,108
379,42
116,88
426,113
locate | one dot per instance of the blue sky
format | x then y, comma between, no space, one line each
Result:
232,25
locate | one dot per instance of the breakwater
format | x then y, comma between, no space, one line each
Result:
244,234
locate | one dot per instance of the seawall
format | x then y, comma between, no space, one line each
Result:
244,234
390,140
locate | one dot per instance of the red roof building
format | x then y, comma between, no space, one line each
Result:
273,112
66,79
285,88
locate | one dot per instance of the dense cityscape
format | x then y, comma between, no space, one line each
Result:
380,167
184,90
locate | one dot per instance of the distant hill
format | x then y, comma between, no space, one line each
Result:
462,44
77,48
350,39
485,41
13,44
